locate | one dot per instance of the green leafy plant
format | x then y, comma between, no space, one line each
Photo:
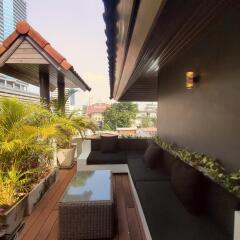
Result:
12,186
69,124
209,166
119,115
22,132
26,130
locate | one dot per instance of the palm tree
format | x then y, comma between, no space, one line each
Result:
24,132
71,121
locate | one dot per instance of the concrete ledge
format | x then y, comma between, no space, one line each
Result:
237,226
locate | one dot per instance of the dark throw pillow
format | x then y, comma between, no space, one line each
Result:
152,155
109,144
187,184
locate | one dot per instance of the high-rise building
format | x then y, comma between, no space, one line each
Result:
11,12
13,88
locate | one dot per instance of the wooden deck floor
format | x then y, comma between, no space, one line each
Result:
43,222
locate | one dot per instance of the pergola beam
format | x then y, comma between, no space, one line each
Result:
44,84
61,91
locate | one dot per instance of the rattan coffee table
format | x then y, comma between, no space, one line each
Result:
86,208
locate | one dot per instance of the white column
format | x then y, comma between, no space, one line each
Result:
237,226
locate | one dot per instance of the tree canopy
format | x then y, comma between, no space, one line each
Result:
120,115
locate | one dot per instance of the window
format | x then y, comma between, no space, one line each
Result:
10,84
17,85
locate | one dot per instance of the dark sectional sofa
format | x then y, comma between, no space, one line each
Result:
166,216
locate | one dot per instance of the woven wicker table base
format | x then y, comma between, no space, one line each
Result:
86,220
86,209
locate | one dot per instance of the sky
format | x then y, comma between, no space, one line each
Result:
76,29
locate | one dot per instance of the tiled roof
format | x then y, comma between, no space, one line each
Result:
109,17
97,108
23,28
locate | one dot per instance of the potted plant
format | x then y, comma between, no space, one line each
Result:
25,154
69,125
66,151
13,199
41,187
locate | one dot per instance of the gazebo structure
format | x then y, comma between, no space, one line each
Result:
27,56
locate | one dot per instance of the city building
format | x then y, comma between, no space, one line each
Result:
128,131
11,87
95,112
148,112
12,11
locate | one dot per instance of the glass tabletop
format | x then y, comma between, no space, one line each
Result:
89,186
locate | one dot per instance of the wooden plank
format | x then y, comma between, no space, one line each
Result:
27,61
25,50
123,231
115,207
10,51
41,205
25,44
43,222
143,224
133,224
33,55
53,234
35,228
127,192
39,215
47,226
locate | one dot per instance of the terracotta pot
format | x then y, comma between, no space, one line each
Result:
66,157
12,219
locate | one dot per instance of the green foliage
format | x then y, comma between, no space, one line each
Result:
119,115
65,132
58,107
209,166
23,134
69,125
148,122
25,147
82,123
27,131
12,185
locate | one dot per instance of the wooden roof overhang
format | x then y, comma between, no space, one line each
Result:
25,50
143,36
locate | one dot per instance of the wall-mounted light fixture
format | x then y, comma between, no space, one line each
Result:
191,79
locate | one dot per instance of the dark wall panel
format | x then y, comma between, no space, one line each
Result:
207,118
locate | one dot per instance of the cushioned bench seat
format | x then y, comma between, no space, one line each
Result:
167,219
139,171
97,157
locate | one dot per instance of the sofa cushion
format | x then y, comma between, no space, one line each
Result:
139,171
152,155
109,144
221,204
167,218
97,157
187,184
168,161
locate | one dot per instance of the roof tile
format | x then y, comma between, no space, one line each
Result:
22,27
37,38
9,41
66,65
54,54
2,49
